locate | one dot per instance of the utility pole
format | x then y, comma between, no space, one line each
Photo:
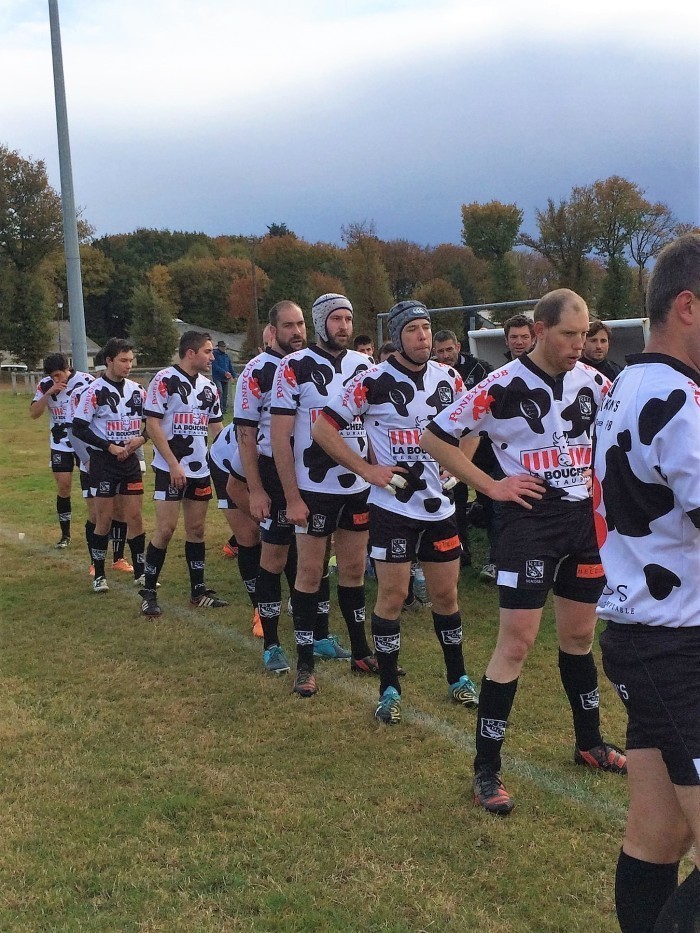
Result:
70,221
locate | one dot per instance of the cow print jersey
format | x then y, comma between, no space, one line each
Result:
396,404
537,423
185,405
647,495
224,451
305,382
80,448
110,411
251,406
60,434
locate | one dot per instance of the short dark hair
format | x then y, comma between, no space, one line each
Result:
54,362
274,312
386,349
115,346
443,335
362,339
519,320
192,340
550,306
677,269
597,326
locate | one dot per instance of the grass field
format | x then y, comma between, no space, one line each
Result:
154,779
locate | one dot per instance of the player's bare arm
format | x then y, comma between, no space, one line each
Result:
326,434
248,450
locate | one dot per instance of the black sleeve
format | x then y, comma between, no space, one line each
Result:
84,433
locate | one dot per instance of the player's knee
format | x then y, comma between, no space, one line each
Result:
658,841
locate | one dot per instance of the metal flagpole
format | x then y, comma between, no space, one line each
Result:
70,220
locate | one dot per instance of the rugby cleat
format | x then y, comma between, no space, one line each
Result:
388,710
141,581
99,585
149,605
92,570
605,757
464,692
228,551
275,660
62,544
416,605
366,665
122,564
490,793
257,625
305,683
330,649
207,599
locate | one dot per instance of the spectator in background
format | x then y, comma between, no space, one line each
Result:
222,373
520,335
596,349
386,350
363,343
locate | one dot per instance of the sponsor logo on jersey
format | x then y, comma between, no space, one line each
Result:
359,394
551,459
534,570
190,422
250,386
585,405
404,444
121,429
445,394
493,728
399,547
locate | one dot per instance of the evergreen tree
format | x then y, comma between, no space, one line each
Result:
152,330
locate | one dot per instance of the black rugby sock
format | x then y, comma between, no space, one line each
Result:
323,607
641,890
580,680
449,633
248,567
681,912
495,704
63,510
305,612
194,557
100,544
386,634
137,546
118,536
89,531
268,588
155,558
351,601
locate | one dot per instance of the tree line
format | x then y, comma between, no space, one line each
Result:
600,241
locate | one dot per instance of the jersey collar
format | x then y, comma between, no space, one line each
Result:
191,379
554,382
335,361
634,359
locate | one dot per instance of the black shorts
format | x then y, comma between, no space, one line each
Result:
110,477
329,512
63,461
198,490
219,478
397,539
552,547
275,529
85,484
656,672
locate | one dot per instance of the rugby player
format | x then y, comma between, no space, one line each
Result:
538,411
647,496
182,410
108,420
322,498
411,515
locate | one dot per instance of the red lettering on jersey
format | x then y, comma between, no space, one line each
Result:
359,394
254,387
288,374
459,385
482,404
162,388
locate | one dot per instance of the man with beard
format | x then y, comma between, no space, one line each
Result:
322,498
108,421
182,409
286,333
538,411
411,514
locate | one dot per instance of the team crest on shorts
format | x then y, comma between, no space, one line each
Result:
493,728
56,458
534,570
282,517
105,487
318,522
399,547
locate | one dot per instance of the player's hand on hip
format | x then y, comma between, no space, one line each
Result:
387,476
514,488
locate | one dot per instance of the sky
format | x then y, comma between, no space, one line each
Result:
223,117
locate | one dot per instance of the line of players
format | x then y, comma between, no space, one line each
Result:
325,444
